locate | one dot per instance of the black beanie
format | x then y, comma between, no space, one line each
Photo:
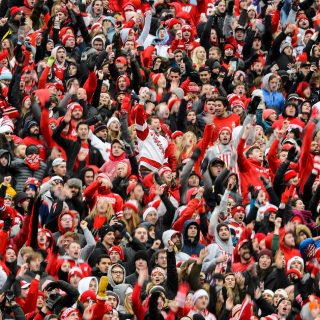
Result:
141,255
32,149
104,230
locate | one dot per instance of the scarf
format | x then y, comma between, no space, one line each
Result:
33,162
117,158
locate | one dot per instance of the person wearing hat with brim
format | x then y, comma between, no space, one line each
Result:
59,167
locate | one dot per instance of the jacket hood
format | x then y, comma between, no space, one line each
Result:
265,81
55,50
165,39
4,152
166,236
186,226
120,290
111,282
61,229
84,284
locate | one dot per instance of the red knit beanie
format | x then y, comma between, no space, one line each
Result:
289,175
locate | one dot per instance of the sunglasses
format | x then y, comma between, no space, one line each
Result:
8,133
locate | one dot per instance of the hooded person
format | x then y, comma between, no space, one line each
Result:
290,114
191,236
123,291
221,251
5,161
88,283
59,65
161,42
273,98
116,275
32,132
177,239
187,43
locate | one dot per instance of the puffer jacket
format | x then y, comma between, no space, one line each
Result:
22,172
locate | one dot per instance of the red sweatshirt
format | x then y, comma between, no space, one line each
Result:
250,171
93,192
306,158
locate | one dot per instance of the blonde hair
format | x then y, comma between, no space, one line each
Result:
128,305
197,63
109,212
183,148
132,223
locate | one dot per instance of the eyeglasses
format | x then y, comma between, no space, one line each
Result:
117,272
8,133
66,219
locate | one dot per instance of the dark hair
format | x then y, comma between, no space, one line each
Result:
100,257
224,100
81,123
250,151
175,69
152,118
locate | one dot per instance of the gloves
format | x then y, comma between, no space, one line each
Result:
157,179
230,8
91,63
254,193
51,286
103,284
18,54
51,61
134,96
42,268
266,182
287,194
280,5
7,224
196,153
253,105
204,165
292,153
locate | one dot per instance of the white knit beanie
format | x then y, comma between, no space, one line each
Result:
148,211
198,294
293,259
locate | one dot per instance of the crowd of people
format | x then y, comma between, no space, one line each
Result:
159,159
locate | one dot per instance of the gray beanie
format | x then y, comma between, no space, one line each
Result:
284,45
75,182
179,93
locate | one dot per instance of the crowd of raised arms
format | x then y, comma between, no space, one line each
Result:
159,159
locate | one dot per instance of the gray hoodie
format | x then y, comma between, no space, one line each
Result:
111,282
219,246
180,256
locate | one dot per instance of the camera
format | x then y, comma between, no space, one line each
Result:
51,300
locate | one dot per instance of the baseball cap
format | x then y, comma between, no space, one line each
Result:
57,162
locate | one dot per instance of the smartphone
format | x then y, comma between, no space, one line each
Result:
234,65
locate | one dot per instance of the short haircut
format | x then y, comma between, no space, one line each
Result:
100,257
34,256
73,235
81,123
224,100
